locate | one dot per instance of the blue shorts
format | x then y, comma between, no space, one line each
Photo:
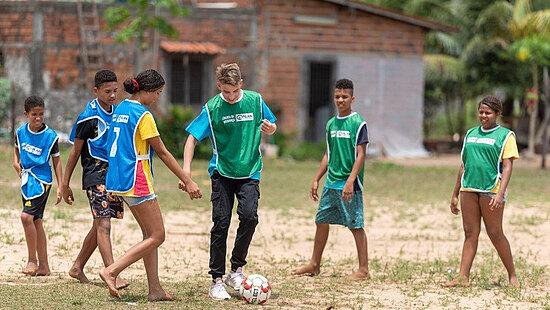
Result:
134,201
333,210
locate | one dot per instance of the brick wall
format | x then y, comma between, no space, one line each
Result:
272,61
286,43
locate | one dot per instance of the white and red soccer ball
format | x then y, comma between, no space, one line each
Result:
255,289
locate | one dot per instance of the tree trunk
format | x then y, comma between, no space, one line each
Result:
461,115
533,118
138,60
544,126
449,118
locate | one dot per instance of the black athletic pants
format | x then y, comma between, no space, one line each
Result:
224,191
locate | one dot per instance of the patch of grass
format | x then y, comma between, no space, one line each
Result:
531,220
7,238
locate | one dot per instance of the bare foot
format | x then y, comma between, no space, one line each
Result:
457,282
162,296
30,269
358,275
121,283
78,274
514,282
110,281
42,271
308,270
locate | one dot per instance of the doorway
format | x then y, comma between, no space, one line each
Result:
319,104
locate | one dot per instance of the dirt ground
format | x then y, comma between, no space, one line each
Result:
451,160
288,238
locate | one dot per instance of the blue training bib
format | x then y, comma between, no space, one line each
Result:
122,153
34,152
98,146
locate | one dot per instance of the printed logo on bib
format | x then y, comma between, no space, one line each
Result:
340,134
121,118
488,141
31,149
244,117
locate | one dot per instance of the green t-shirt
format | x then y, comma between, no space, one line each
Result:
481,155
344,134
236,134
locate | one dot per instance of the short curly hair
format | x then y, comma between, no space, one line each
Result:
104,76
344,84
33,102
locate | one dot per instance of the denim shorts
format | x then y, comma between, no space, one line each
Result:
488,194
134,201
492,195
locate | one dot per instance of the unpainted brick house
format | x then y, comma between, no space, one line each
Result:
290,51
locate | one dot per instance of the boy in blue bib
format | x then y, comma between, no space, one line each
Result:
89,138
35,144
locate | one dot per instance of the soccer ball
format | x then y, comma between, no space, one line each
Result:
255,289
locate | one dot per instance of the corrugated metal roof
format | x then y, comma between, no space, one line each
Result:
190,47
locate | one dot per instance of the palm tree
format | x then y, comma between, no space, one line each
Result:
518,22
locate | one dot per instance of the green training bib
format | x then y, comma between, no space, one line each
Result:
236,134
481,155
342,147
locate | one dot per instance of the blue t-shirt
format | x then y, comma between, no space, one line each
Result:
200,129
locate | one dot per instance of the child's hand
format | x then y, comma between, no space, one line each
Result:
193,190
181,186
454,206
496,202
67,194
268,128
347,193
59,193
313,192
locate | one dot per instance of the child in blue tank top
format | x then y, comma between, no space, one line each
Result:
36,143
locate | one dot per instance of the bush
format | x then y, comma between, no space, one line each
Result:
306,150
172,131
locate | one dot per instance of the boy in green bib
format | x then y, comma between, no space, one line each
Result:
488,155
342,199
234,120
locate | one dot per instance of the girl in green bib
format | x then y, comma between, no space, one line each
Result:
488,155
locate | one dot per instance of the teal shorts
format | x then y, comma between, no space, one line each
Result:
333,210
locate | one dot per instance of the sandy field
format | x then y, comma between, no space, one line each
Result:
282,241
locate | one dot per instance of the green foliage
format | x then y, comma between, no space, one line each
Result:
136,18
172,130
306,150
533,49
5,96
